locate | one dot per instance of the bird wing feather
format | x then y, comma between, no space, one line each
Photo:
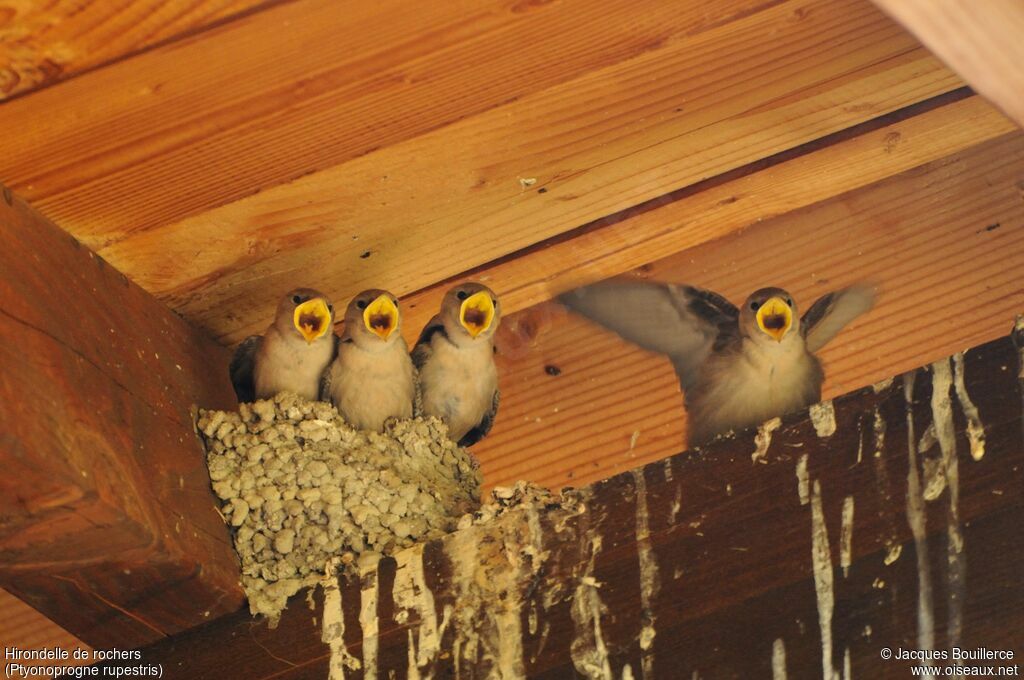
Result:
832,312
325,377
422,350
681,321
241,368
484,426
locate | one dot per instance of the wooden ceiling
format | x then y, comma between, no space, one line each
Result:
223,152
220,152
399,145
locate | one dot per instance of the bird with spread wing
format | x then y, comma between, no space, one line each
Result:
737,367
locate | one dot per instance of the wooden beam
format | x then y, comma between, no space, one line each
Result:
679,114
223,115
25,628
107,520
48,42
710,563
943,243
419,197
765,189
982,46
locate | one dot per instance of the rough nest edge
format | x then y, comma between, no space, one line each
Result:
304,491
505,499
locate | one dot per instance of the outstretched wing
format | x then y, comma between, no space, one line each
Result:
681,321
241,369
484,426
832,312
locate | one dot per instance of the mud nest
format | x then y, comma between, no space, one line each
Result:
304,491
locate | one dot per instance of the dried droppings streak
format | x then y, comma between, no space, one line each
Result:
763,438
821,561
975,429
823,417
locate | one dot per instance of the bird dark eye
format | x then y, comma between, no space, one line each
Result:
395,301
755,305
461,295
330,308
494,302
296,299
789,302
361,304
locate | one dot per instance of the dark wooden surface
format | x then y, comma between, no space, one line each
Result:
732,544
107,522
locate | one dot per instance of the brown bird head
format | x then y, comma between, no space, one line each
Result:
470,311
372,318
307,313
769,314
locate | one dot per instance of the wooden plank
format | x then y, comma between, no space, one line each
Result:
729,543
943,242
107,524
606,139
25,628
43,43
765,189
298,88
982,46
600,143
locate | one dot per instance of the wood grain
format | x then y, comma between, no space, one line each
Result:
107,520
44,42
440,198
602,142
760,191
732,544
299,88
25,628
943,242
982,46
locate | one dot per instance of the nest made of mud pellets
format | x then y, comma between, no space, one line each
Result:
302,488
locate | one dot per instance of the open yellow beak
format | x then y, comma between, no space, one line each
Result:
381,317
477,313
312,319
775,317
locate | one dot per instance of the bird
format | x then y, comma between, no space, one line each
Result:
737,367
293,353
372,378
458,378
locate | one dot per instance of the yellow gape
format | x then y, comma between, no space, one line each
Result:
312,319
775,317
381,316
477,313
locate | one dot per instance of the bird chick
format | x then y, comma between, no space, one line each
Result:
458,379
292,354
371,378
737,367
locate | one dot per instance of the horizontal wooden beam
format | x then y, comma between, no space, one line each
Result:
268,192
45,43
602,142
762,190
942,242
830,543
25,628
107,520
982,46
256,120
